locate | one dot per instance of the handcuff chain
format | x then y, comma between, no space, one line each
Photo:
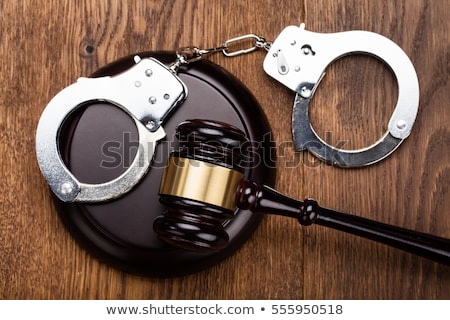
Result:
191,54
259,42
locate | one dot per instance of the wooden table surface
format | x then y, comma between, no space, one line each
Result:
47,45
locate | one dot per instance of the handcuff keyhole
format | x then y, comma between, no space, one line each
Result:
307,50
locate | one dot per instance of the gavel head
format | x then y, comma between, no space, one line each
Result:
199,185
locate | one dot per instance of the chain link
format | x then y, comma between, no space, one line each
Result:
259,42
190,54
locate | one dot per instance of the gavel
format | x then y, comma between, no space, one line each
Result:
204,184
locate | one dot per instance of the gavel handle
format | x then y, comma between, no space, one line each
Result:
263,199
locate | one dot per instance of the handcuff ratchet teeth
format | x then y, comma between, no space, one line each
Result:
298,59
148,92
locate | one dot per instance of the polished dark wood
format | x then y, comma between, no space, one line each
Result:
214,142
221,144
191,224
47,45
120,232
263,199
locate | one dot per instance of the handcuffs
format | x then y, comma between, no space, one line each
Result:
149,91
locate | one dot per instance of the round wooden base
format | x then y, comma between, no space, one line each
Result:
101,142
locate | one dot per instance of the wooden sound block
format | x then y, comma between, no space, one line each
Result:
101,141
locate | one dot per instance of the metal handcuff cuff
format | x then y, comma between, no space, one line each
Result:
149,91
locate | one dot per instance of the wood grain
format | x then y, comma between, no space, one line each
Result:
47,45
